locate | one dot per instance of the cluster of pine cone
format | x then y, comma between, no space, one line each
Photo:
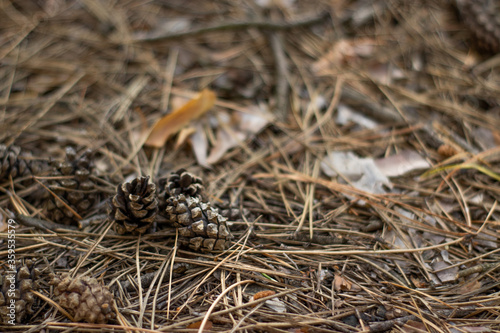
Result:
181,200
84,298
71,192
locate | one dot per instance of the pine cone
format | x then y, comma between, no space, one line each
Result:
200,226
482,17
16,298
84,298
16,163
73,186
134,207
179,182
183,182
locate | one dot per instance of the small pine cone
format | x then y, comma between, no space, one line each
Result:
183,182
84,298
16,163
135,206
200,226
73,185
483,19
16,298
179,182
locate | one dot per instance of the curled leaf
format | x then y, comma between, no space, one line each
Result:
179,118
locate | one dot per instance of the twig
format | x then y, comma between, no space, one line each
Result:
43,224
234,26
96,219
449,313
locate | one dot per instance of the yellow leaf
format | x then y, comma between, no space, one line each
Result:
179,118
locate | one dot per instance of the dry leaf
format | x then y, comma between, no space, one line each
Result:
343,52
197,325
262,294
346,114
179,118
236,128
363,172
340,283
444,273
199,143
401,163
413,326
419,283
225,141
299,330
183,136
469,287
276,305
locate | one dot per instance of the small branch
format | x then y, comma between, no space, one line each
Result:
447,313
43,224
233,26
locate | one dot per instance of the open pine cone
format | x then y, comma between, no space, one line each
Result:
134,207
482,17
16,298
73,186
183,182
84,298
200,226
16,163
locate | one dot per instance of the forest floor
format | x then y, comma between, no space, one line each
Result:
352,145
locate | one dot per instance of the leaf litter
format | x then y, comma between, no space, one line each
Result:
363,192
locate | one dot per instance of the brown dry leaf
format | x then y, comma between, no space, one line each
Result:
183,136
197,325
226,139
413,326
199,142
236,128
299,330
179,118
343,52
418,282
340,283
469,287
401,163
262,294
